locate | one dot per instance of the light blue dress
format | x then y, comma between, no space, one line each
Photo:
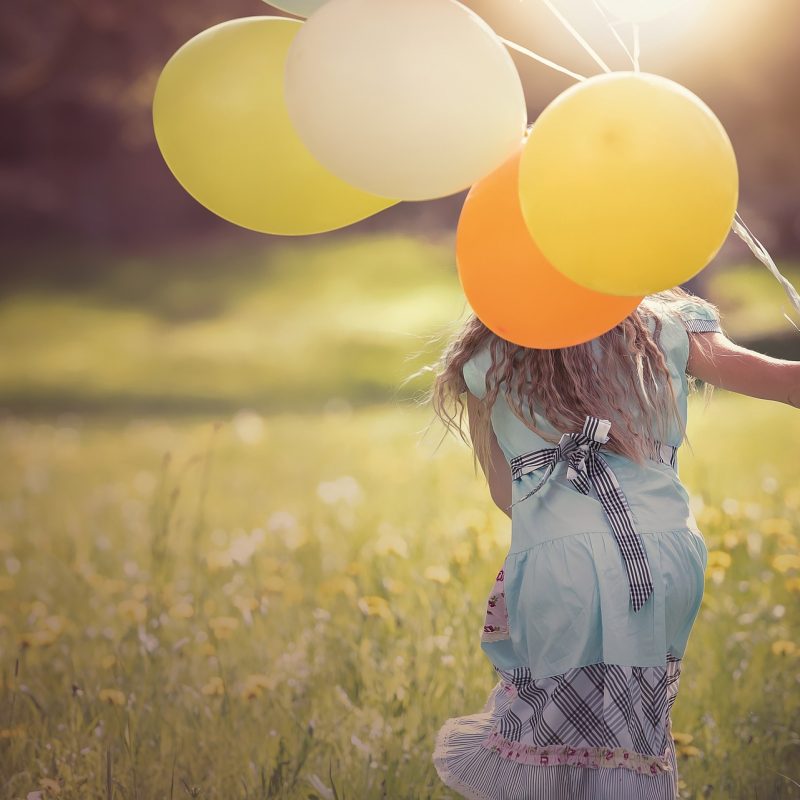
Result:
581,710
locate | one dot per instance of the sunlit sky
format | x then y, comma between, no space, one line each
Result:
695,36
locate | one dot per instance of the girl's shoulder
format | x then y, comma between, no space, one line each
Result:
692,313
678,316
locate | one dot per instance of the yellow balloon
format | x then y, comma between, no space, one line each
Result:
222,126
628,183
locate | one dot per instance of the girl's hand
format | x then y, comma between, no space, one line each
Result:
728,365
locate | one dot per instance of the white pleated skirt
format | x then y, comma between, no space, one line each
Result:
479,772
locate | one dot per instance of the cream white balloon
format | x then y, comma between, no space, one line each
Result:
409,99
640,10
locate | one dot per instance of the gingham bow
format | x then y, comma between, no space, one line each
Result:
587,468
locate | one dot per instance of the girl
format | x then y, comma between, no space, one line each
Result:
589,617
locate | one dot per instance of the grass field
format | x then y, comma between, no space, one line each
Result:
281,597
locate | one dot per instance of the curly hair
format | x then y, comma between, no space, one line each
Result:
628,382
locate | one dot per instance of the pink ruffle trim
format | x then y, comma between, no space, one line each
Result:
591,757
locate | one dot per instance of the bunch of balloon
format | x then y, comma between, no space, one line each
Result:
628,183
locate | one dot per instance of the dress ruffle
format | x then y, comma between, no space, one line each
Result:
468,763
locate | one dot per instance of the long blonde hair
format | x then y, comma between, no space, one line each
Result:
570,382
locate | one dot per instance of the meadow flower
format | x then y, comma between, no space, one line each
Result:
108,661
214,687
785,562
687,750
783,647
182,610
274,583
132,611
462,553
393,586
114,697
51,787
223,627
218,560
345,489
391,543
775,526
682,738
255,684
437,574
793,584
374,606
719,558
38,638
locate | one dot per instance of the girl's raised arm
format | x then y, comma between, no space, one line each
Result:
728,365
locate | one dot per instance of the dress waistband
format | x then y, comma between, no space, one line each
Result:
587,468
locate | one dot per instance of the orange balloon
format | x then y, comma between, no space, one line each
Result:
510,285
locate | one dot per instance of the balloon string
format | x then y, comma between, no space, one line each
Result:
615,34
760,252
578,38
541,59
636,47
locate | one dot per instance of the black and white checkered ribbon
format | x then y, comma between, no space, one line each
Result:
587,468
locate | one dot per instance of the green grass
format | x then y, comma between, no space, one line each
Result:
215,535
286,328
170,559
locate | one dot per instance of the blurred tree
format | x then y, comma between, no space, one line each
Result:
79,164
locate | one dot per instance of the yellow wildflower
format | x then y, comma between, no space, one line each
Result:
215,686
140,590
785,562
182,610
53,788
114,697
108,661
717,574
730,539
274,583
783,647
462,553
218,560
393,586
719,558
774,526
261,682
793,584
223,627
132,611
438,574
338,585
682,738
40,638
374,606
688,750
392,544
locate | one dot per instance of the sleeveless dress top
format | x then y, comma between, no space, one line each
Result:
581,710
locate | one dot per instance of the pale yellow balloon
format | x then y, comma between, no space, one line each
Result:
628,183
413,99
221,123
